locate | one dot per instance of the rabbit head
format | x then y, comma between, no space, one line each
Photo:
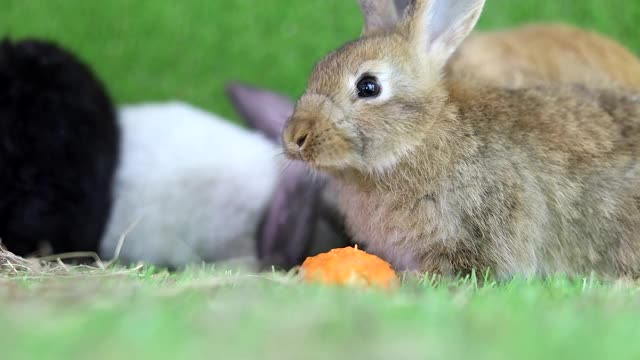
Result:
371,101
302,218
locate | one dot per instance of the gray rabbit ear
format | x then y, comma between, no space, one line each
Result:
401,6
263,110
379,15
286,232
330,231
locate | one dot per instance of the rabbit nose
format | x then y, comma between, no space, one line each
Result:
301,139
296,137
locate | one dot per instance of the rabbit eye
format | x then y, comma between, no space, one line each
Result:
368,87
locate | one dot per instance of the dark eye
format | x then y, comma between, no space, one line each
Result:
368,87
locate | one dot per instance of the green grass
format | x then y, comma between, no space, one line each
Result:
213,315
155,50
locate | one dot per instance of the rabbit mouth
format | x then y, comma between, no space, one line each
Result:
317,136
326,151
321,160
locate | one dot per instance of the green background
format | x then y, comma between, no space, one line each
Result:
159,49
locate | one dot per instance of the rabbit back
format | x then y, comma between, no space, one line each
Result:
537,54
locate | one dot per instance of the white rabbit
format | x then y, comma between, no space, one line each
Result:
190,186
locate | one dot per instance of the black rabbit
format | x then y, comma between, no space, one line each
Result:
59,144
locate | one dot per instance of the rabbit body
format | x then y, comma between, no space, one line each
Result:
537,54
191,187
489,190
448,175
58,150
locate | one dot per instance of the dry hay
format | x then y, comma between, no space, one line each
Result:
12,265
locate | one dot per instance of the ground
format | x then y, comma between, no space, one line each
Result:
157,50
208,313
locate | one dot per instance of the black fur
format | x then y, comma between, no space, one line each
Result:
59,145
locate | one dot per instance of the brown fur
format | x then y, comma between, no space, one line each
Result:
446,175
536,54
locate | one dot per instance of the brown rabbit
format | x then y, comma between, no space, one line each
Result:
517,57
535,54
446,175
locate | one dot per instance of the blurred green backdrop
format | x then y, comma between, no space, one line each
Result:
161,49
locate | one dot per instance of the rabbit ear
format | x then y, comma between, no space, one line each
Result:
285,236
401,6
336,232
303,220
379,15
263,110
439,26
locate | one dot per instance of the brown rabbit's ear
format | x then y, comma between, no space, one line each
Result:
379,15
263,110
439,26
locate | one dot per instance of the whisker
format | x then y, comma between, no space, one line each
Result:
286,164
280,154
315,176
277,152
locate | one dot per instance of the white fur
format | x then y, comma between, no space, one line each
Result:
447,23
194,185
